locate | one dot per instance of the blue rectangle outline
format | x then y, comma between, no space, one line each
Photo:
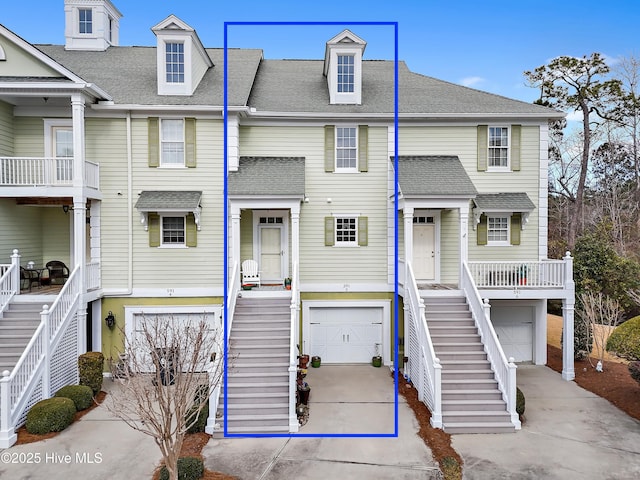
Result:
226,230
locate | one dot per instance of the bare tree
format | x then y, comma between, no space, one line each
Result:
173,366
601,314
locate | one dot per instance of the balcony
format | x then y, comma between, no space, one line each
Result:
44,172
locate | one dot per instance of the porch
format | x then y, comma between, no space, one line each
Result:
45,172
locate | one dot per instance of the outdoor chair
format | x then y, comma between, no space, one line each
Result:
250,273
28,278
55,271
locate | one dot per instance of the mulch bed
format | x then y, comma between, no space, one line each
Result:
614,383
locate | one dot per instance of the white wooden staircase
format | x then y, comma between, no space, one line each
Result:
17,326
471,399
258,370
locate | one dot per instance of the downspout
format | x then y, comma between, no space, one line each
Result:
129,206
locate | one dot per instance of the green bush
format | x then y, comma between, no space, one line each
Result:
625,339
81,395
189,468
634,370
520,402
90,366
450,468
51,415
201,420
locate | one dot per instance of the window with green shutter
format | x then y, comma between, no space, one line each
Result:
346,148
499,229
346,231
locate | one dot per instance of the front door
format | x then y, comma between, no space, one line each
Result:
271,253
424,250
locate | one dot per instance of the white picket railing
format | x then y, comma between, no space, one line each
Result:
523,275
44,171
92,276
232,297
48,363
425,370
293,353
504,370
9,281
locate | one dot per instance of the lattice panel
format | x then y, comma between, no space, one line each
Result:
36,396
64,361
414,349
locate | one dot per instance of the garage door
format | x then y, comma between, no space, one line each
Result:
345,334
514,327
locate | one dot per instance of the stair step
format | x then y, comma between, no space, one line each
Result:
259,341
246,397
14,348
475,416
493,405
471,394
259,429
462,356
18,322
479,384
16,328
467,374
261,406
479,427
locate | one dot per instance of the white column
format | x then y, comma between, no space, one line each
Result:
235,236
77,114
15,260
464,238
568,307
295,237
233,143
79,260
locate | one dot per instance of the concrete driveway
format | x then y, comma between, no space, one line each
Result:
569,433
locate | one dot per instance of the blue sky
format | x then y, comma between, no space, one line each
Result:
486,45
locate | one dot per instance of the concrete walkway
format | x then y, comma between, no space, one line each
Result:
569,433
344,400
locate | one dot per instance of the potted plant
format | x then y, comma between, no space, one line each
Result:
287,283
315,361
522,275
376,360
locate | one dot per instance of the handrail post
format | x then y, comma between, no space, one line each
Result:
15,262
436,415
46,347
511,403
7,433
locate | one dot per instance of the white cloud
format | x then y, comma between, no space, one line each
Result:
575,116
471,81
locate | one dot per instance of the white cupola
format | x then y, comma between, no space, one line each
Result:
343,68
181,57
91,24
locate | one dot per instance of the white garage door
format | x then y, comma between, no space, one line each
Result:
514,327
345,334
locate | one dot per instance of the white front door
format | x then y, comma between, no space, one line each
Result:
271,254
424,251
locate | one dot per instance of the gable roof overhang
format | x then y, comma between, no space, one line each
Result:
268,177
74,82
167,201
346,38
433,177
508,202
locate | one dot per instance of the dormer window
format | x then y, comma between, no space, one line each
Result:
343,68
175,62
345,73
85,18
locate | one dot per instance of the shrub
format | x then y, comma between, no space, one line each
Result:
90,366
189,468
81,395
634,370
520,402
201,420
625,339
51,415
450,468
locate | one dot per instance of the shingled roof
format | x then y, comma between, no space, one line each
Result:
271,176
434,175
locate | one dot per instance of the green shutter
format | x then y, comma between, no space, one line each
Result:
329,148
329,231
363,231
363,151
481,230
191,231
515,147
483,137
154,141
516,227
190,142
153,221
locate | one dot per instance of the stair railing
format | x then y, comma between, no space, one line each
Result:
425,370
9,281
293,342
33,379
504,370
232,298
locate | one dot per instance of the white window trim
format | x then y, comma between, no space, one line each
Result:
49,125
173,245
349,98
184,61
499,243
161,164
338,169
492,168
93,22
338,244
164,87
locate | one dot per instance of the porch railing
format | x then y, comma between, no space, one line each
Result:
47,364
524,275
424,367
44,171
92,276
505,370
293,342
9,281
232,297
